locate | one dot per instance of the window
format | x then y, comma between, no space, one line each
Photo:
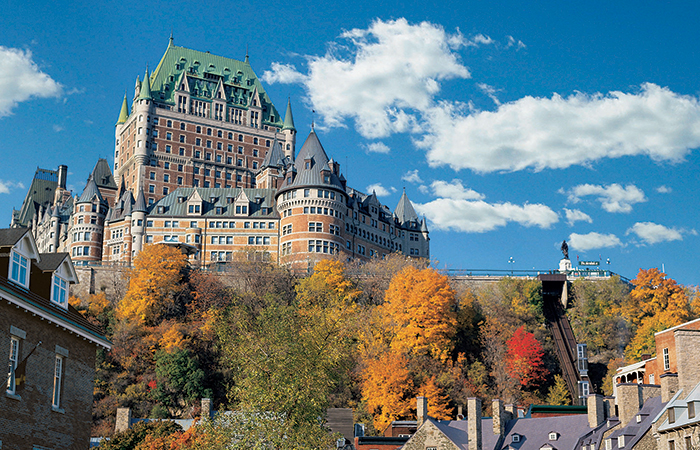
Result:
621,441
688,443
59,291
58,371
14,356
608,444
667,360
553,436
671,445
516,438
18,269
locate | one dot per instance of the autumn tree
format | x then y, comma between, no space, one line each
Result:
420,311
558,393
154,282
656,303
524,358
438,401
387,388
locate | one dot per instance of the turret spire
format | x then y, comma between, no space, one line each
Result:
124,113
288,118
145,93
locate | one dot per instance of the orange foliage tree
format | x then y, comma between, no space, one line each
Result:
438,402
656,303
154,280
420,310
387,387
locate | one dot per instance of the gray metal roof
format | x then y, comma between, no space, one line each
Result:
140,204
175,203
275,157
312,159
404,210
91,191
102,174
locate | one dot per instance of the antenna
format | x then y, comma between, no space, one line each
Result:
313,118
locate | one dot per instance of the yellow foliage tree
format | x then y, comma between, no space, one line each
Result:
438,402
387,387
656,303
420,310
153,281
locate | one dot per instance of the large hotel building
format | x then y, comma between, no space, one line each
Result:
204,161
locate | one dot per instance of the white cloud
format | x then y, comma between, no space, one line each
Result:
7,186
454,190
479,216
559,132
381,78
664,190
613,198
282,73
479,39
21,79
412,177
377,147
380,190
57,128
490,91
513,43
593,241
575,215
653,233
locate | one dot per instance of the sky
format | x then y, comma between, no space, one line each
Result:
511,125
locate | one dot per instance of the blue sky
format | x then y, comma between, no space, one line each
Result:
511,125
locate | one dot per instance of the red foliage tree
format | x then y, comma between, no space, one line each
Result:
524,358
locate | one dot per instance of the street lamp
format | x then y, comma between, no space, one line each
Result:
511,261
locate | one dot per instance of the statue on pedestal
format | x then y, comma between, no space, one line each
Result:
565,249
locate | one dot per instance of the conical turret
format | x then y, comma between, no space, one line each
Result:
289,118
145,93
124,113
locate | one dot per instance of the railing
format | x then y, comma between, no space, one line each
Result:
531,273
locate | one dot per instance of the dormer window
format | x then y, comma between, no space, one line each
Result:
516,438
18,269
621,441
59,291
553,436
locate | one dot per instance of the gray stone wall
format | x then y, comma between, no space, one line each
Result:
429,436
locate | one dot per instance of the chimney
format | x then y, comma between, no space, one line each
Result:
474,423
123,421
596,410
499,417
629,401
206,408
62,174
422,404
669,386
460,412
687,344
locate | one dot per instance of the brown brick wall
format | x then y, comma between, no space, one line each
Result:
30,420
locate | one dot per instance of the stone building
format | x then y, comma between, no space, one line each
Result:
50,348
204,161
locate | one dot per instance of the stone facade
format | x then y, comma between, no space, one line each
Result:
47,398
430,436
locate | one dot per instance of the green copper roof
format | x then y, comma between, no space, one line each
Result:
288,118
203,72
145,93
124,113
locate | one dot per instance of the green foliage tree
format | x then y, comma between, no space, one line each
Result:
179,380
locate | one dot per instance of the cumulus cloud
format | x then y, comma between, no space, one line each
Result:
653,233
613,198
21,79
478,40
576,215
664,190
559,132
7,186
377,147
479,216
593,241
380,76
380,190
454,190
412,177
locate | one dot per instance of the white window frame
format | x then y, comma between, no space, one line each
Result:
12,365
57,382
667,359
59,291
21,262
516,438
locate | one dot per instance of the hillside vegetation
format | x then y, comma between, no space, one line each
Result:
279,349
